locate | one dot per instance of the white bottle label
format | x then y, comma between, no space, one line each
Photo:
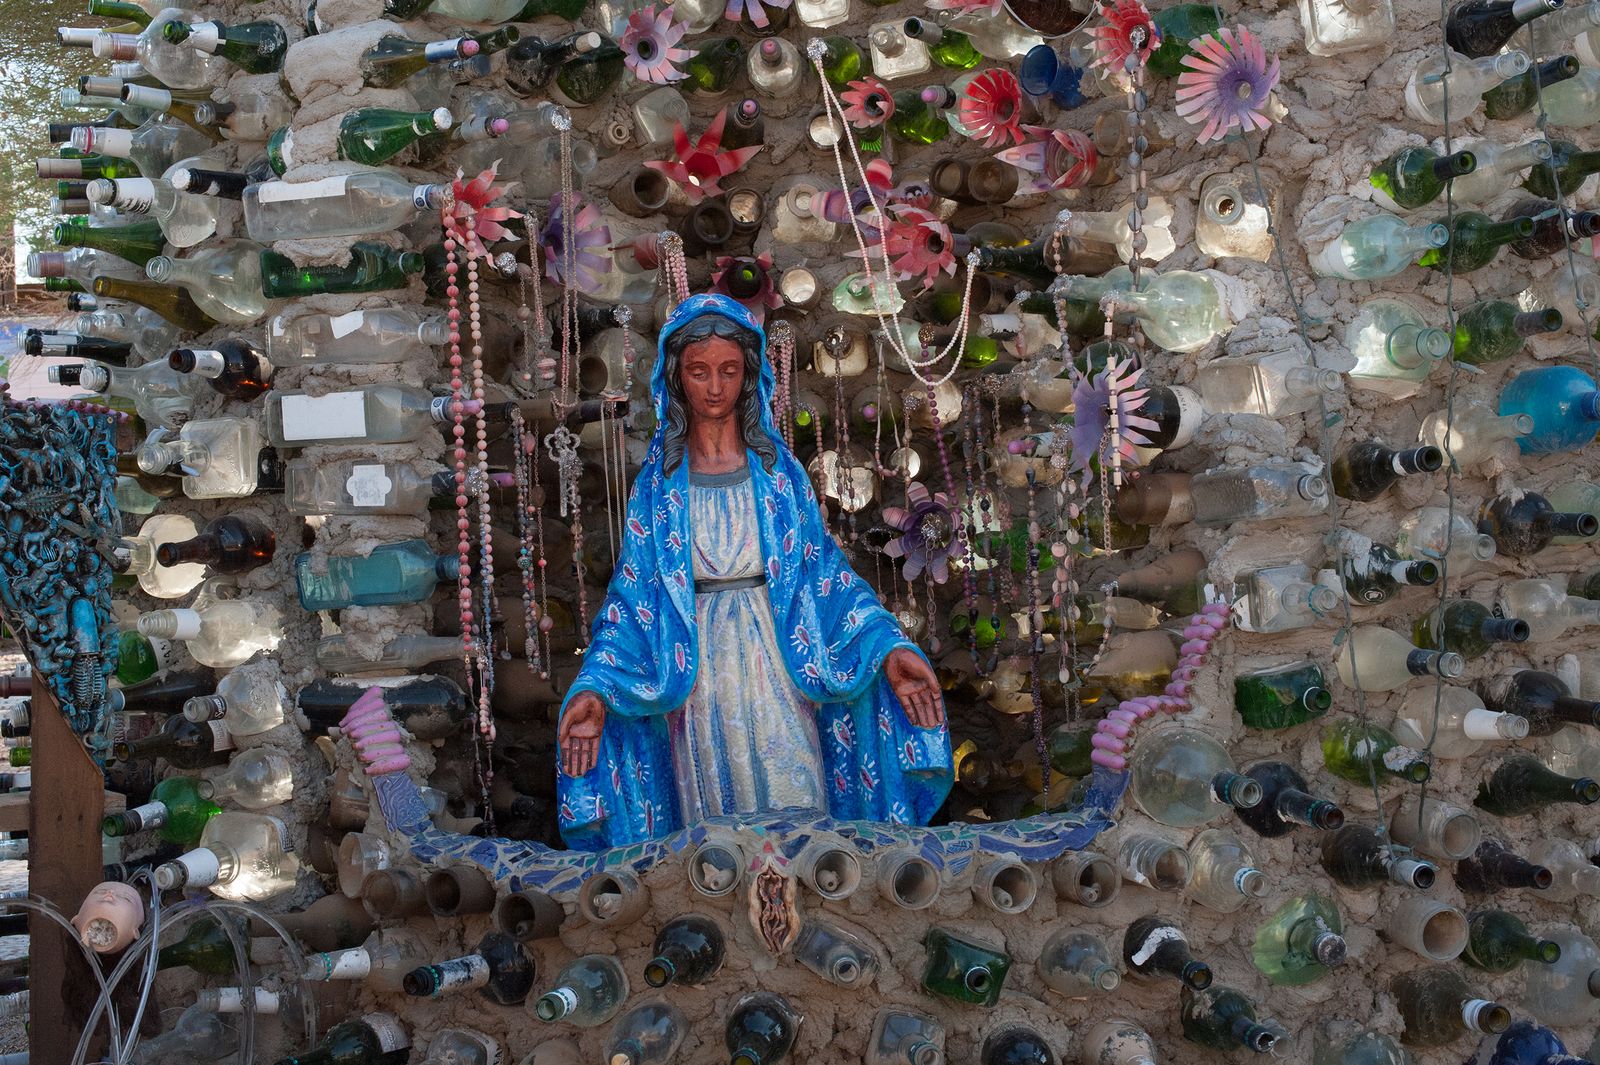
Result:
1191,412
221,738
368,486
339,416
391,1036
342,325
281,191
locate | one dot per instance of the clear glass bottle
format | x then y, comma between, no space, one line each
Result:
160,394
371,335
1260,492
1280,598
1333,27
1331,1046
254,779
362,486
246,701
900,1037
374,414
400,655
1234,215
1375,248
242,857
894,54
382,961
836,955
1223,874
1385,660
1434,533
175,65
220,458
185,219
1472,433
1546,607
349,205
1300,942
1118,1042
1574,876
589,991
151,335
1395,348
1567,991
162,582
1451,722
647,1034
1469,79
154,146
1078,964
1498,167
1275,385
224,280
218,632
1182,777
820,14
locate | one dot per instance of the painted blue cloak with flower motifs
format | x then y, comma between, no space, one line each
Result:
833,633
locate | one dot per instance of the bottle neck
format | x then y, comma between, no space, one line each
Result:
1292,804
204,548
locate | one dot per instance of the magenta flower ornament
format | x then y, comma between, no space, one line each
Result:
649,45
991,108
867,103
1128,31
1226,83
919,245
765,299
752,10
469,217
697,168
590,237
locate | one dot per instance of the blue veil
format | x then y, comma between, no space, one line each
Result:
833,633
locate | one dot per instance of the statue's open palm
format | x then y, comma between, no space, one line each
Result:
914,682
578,736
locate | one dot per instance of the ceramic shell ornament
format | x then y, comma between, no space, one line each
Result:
1226,83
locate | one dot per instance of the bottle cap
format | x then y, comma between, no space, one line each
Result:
442,118
51,169
145,96
47,264
103,140
118,46
99,85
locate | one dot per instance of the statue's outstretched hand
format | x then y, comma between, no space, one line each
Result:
914,682
578,737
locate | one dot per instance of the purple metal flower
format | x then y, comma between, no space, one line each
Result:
927,538
1226,84
1106,425
588,233
650,46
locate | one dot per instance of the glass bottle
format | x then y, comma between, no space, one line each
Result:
389,574
1498,942
224,281
233,368
429,708
254,779
1547,608
838,956
220,458
1495,867
1152,946
820,14
1582,497
1182,777
532,62
1554,227
1564,170
242,857
1394,347
1372,572
139,554
1359,753
150,335
1224,1019
1427,89
777,72
1366,469
1520,95
372,267
401,654
376,1039
1475,241
135,241
1282,696
1522,784
900,1037
1563,402
1567,991
1153,862
498,968
247,702
173,304
1498,166
218,632
1258,492
1434,532
1285,803
1077,963
362,486
1275,385
1472,433
217,184
394,59
963,970
1384,660
1525,524
153,147
647,1034
916,119
1416,175
1233,212
171,64
689,950
761,1029
1438,1007
176,810
950,48
1355,856
1331,1047
206,947
179,741
1544,699
1301,942
382,960
1451,722
1482,27
81,266
841,61
588,76
348,205
1575,101
372,335
896,54
232,543
589,991
711,71
1223,874
1118,1042
374,135
201,1033
254,47
1280,598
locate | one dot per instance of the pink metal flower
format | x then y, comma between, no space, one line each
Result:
1106,424
470,219
966,7
748,280
918,243
753,10
1063,158
1226,84
991,108
649,46
867,103
1128,31
588,233
699,167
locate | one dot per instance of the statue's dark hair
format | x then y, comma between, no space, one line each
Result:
748,409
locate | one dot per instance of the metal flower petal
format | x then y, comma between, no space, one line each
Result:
1064,158
753,10
1106,426
919,244
927,540
991,108
1227,83
1128,31
867,103
589,233
649,46
698,168
751,287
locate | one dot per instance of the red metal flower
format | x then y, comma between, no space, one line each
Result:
991,108
1128,31
697,168
867,103
1063,158
749,281
918,244
470,219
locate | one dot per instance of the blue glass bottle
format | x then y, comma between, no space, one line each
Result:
1563,402
1526,1043
406,572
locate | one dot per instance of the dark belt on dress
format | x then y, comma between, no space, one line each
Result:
728,584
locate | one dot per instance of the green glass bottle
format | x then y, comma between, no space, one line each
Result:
1416,175
254,47
715,65
205,948
279,145
915,120
1563,172
949,48
1301,942
1097,530
21,757
1069,750
1221,1018
842,62
1180,24
1085,319
137,242
1523,785
1466,627
176,810
86,168
1474,241
394,59
1519,94
1491,330
962,969
567,9
374,135
588,76
376,1039
372,267
62,284
1498,942
120,9
139,657
1282,696
169,301
1029,263
1356,752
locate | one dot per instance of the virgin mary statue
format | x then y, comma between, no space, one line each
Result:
738,664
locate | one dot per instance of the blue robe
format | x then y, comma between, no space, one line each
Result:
833,634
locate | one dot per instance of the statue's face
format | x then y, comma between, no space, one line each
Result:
713,374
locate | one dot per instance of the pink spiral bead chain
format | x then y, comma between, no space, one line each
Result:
1112,735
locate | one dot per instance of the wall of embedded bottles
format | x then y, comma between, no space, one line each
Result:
1405,715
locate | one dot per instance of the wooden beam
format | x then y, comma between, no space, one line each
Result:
63,864
16,809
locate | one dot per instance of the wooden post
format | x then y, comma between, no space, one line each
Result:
65,811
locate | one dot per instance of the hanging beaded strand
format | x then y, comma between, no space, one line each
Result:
674,266
525,455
